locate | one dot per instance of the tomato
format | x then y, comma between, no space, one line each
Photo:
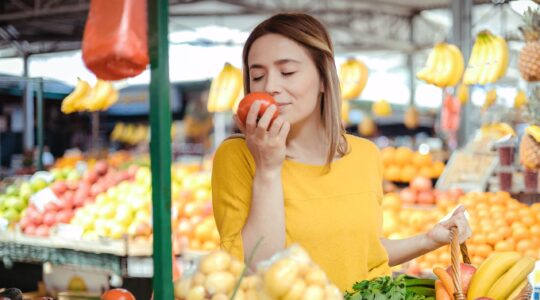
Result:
117,294
245,104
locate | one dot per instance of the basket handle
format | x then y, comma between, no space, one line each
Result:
456,250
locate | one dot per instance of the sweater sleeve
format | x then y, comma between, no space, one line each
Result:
232,179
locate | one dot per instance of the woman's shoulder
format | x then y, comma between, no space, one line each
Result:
232,149
361,145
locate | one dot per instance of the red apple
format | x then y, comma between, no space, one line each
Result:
34,216
467,272
64,216
42,230
101,168
51,206
24,222
72,185
30,229
59,188
90,177
425,198
78,200
49,218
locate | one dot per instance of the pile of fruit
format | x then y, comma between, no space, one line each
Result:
403,165
420,191
68,196
499,223
16,198
288,275
501,276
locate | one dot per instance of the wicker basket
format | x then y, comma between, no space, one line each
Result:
456,249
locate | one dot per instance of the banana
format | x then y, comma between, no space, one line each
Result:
472,66
69,104
534,132
520,99
116,134
517,290
457,65
111,99
491,97
502,47
463,93
508,282
489,271
488,60
99,95
353,78
224,89
443,67
426,73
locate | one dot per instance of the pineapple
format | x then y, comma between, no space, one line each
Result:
529,150
529,57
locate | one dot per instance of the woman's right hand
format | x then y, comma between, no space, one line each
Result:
265,141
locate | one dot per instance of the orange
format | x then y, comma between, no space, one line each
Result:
431,257
534,253
403,155
445,257
521,233
388,156
408,173
392,173
484,215
483,250
477,260
420,160
482,207
528,220
493,238
425,171
524,211
535,230
504,246
437,169
472,249
524,245
517,224
194,244
496,208
479,238
504,232
511,216
536,207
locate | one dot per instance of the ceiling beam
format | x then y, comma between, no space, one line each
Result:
43,12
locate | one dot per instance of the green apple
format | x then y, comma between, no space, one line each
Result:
116,231
73,175
12,190
38,184
12,215
25,191
57,174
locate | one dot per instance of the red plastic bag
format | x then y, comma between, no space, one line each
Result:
115,42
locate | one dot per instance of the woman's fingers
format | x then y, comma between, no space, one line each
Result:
251,119
284,131
239,124
276,126
266,118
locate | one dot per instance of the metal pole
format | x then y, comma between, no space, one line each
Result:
160,146
40,123
461,36
410,63
28,108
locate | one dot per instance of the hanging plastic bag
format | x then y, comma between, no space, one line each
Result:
115,42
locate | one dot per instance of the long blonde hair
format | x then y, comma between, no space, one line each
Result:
310,33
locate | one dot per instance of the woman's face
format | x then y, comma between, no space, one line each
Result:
284,69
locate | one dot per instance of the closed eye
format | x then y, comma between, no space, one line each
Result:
287,73
257,78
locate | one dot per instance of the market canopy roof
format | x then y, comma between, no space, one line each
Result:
32,27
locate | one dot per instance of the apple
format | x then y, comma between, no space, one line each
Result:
101,168
467,272
79,199
12,215
42,230
30,229
49,218
51,207
38,184
12,190
25,191
24,222
59,188
63,216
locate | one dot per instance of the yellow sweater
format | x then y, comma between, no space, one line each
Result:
335,216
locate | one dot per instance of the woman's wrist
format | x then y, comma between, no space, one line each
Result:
268,174
428,243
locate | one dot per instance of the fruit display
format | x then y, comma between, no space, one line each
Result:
529,57
489,59
67,197
86,98
353,75
402,164
499,223
501,276
529,152
402,287
225,89
444,66
16,198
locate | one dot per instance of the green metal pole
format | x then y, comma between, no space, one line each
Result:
160,146
40,123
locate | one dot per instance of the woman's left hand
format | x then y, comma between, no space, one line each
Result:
439,235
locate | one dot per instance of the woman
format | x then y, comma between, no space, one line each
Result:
300,178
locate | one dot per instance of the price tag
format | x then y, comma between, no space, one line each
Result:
69,231
41,198
3,224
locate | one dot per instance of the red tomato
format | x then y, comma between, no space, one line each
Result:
245,104
117,294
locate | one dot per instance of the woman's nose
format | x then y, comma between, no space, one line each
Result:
272,84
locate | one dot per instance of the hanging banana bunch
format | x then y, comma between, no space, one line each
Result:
353,75
491,98
463,93
85,98
520,100
489,59
130,134
444,66
225,89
